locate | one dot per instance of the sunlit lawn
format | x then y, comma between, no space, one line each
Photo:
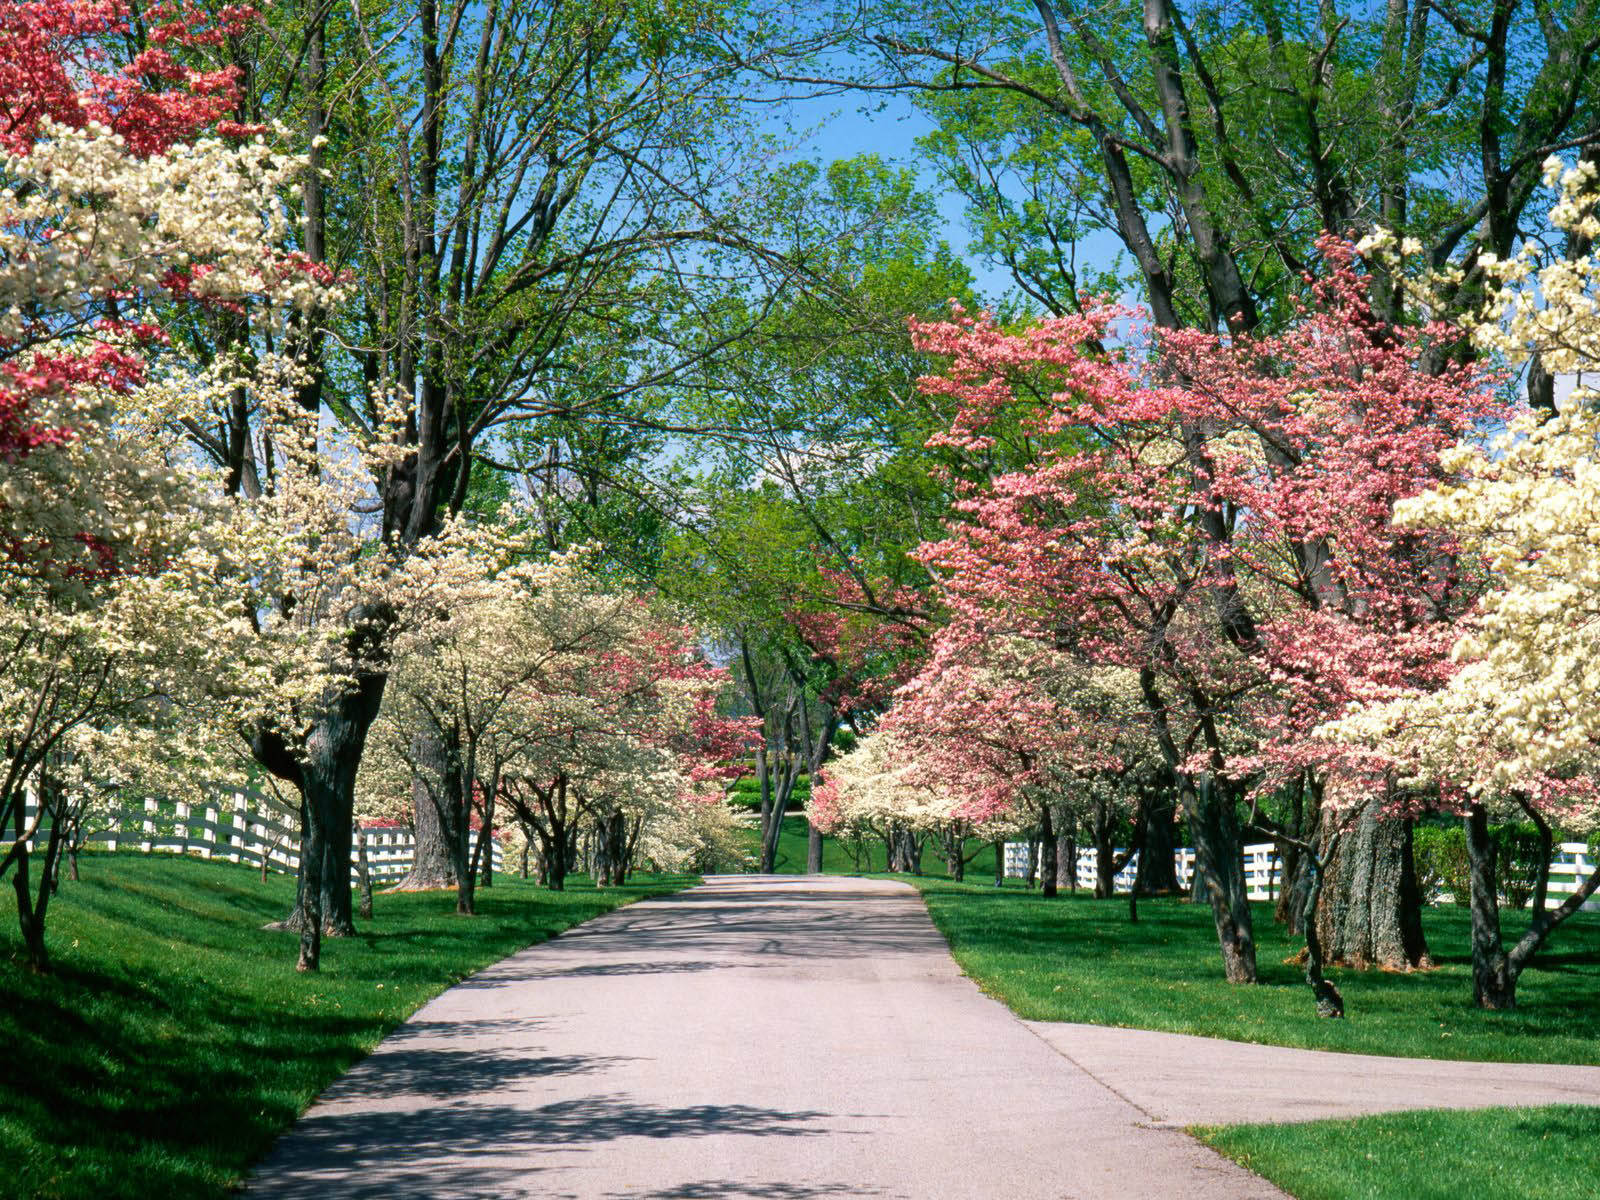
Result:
1493,1154
1078,959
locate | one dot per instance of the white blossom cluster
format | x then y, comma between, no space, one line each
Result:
82,220
1523,711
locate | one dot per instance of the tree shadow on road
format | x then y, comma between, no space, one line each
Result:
442,1072
712,1189
527,969
705,923
446,1148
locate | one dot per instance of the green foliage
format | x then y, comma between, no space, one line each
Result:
1306,118
1078,959
747,792
1440,852
869,856
175,1040
1441,858
1491,1154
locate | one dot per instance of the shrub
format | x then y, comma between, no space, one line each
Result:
1440,852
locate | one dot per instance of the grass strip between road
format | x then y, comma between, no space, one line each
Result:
1074,958
1489,1154
175,1040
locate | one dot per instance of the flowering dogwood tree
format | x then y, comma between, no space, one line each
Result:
114,204
576,704
880,788
1217,524
1515,725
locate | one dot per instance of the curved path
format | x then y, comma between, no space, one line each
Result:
757,1037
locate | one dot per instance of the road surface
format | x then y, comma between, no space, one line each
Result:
753,1037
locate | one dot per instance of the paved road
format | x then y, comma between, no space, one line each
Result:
1176,1078
754,1037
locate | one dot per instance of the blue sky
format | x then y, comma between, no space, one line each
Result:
836,127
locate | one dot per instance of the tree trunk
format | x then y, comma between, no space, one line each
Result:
31,907
555,863
433,864
1047,846
326,775
955,858
1219,874
1218,852
1494,984
1105,864
612,849
771,823
485,843
1067,858
999,864
905,851
1370,913
1328,1000
813,851
1295,870
1158,870
364,873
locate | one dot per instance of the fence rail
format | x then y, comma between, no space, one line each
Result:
1572,863
243,828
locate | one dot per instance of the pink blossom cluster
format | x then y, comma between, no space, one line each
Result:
1209,515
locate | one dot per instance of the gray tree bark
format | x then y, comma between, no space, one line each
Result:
433,866
1370,910
1049,869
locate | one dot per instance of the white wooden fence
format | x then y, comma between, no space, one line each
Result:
1572,864
243,827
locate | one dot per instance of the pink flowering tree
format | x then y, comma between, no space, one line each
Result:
1213,516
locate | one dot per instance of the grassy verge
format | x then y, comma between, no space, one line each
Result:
175,1040
1077,959
1493,1154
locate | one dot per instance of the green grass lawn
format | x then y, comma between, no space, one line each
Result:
175,1040
1493,1154
1078,959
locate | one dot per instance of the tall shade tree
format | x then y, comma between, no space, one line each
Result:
1216,142
534,219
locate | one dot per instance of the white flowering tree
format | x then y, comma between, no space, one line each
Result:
577,705
880,788
124,198
1517,726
